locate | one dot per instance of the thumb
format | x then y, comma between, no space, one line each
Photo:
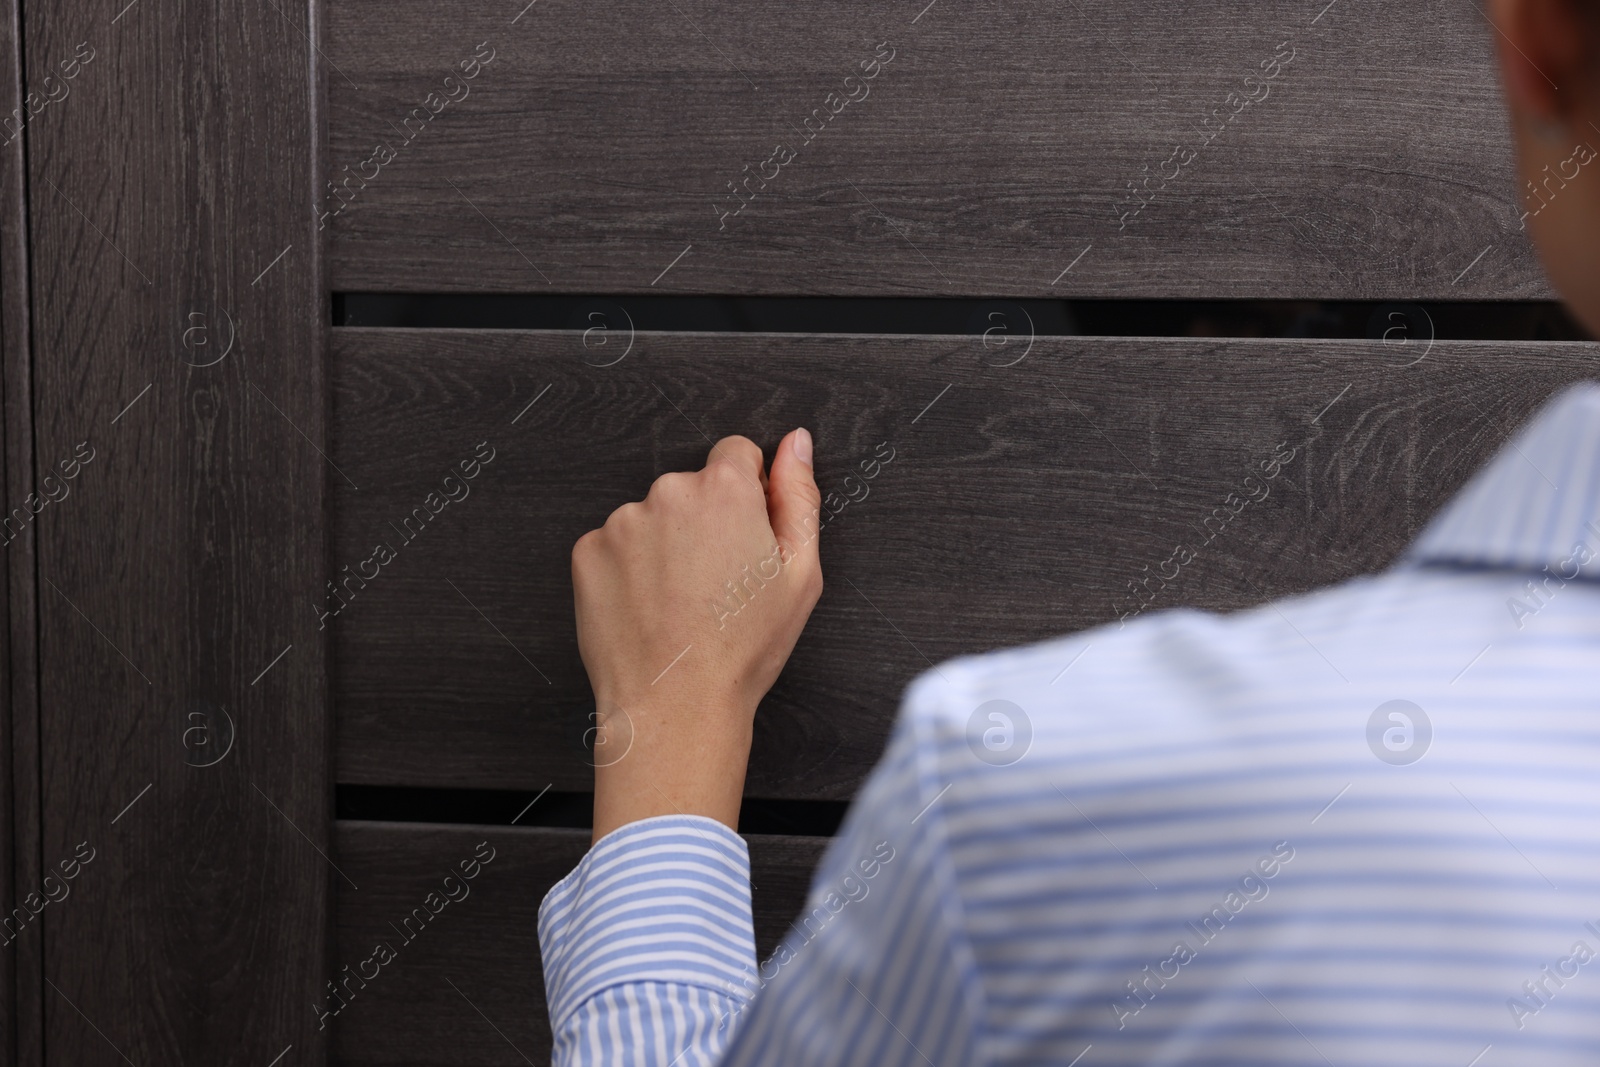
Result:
794,503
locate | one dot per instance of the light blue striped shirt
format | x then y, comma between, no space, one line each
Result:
1192,839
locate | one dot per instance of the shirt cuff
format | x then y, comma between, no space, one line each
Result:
665,899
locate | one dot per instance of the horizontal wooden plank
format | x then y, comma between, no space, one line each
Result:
1001,150
1020,502
467,986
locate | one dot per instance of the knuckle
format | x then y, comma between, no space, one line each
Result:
622,517
738,446
738,453
672,486
584,548
811,577
725,474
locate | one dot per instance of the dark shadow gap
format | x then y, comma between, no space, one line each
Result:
507,807
1347,319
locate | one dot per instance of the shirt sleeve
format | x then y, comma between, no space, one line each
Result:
649,950
648,945
878,970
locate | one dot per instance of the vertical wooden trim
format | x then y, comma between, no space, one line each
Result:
322,320
179,335
21,960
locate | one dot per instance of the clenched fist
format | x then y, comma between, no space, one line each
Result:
688,605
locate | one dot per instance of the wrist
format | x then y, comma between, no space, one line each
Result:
658,760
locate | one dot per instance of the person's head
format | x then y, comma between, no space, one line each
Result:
1550,67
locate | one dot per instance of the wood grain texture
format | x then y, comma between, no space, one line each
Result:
995,148
169,170
467,987
1022,502
21,957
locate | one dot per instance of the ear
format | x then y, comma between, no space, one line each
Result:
1546,48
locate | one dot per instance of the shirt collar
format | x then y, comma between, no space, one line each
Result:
1536,504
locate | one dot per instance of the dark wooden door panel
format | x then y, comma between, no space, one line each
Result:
178,327
998,147
1021,502
466,986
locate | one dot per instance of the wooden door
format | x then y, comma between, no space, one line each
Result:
368,310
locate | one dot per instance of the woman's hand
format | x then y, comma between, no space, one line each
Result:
688,606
